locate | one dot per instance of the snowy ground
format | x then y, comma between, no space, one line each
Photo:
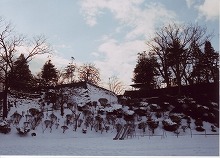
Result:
75,143
95,144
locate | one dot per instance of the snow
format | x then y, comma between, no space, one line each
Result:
96,144
113,107
77,143
169,121
83,95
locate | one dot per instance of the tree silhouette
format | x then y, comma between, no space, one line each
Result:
49,74
20,78
89,73
115,85
211,63
172,47
145,70
206,65
10,42
177,57
69,70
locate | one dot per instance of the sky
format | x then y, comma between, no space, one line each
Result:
108,33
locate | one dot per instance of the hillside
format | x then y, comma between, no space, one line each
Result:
33,118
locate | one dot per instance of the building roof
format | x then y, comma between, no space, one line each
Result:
138,85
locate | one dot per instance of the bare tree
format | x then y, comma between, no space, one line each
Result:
115,85
172,47
89,73
68,73
10,43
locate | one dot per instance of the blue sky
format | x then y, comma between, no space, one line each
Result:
108,33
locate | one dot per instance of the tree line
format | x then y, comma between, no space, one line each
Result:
22,79
17,51
178,55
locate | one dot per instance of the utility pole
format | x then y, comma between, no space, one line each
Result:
71,69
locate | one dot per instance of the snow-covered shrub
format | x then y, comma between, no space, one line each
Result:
81,107
103,101
154,107
213,128
140,112
198,122
169,125
84,131
142,125
212,118
118,113
23,131
158,114
64,127
165,106
4,127
94,103
200,129
175,117
129,115
101,111
143,104
33,111
118,127
153,124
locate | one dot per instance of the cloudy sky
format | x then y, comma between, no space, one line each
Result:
108,33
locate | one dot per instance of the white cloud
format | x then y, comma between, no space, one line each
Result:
190,3
209,9
37,63
147,19
136,19
119,59
91,9
137,15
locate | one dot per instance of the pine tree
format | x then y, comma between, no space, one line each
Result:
49,74
196,61
145,70
206,64
20,76
211,64
177,58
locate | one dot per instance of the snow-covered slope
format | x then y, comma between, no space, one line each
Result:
91,93
99,141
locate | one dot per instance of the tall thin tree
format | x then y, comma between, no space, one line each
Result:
49,74
10,42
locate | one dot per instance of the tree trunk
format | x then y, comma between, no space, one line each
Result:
5,101
178,77
167,80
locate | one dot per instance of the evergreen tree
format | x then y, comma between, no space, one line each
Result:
206,65
20,76
196,61
177,58
211,63
49,74
145,70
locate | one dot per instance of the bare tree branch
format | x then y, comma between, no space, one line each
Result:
115,85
